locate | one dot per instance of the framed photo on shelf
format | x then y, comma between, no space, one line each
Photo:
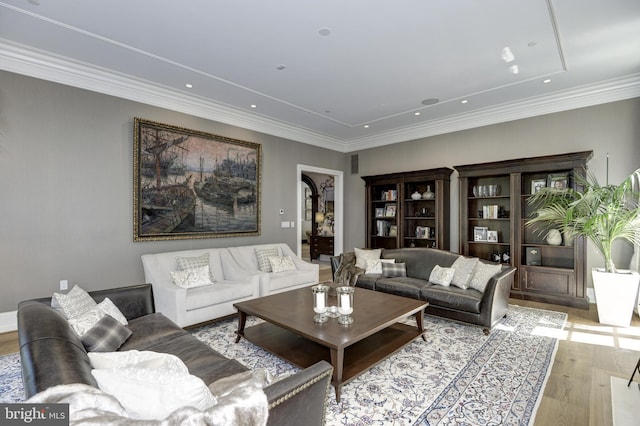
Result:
492,236
380,212
537,185
390,210
480,233
558,181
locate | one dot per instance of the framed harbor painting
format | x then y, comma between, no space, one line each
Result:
191,184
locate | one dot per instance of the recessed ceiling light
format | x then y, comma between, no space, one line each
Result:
324,31
507,54
548,80
189,86
430,101
531,43
416,113
254,106
366,126
281,67
464,101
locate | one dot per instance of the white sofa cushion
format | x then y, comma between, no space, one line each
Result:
202,297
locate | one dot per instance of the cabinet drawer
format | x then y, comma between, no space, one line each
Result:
549,280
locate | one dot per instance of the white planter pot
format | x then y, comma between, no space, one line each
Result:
616,295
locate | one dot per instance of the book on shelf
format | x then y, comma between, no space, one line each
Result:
383,227
389,195
490,212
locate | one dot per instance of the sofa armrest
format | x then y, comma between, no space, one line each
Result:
301,265
495,300
300,398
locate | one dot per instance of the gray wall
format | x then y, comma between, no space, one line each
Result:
66,187
612,128
66,178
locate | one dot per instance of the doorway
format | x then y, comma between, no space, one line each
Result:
330,198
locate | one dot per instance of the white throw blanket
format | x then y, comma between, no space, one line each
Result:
240,401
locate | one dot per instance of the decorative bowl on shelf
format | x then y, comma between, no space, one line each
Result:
416,196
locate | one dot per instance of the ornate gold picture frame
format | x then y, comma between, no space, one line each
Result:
190,184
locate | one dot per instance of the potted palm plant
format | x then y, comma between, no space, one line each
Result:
602,214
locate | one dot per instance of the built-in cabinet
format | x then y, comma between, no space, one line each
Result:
494,208
408,209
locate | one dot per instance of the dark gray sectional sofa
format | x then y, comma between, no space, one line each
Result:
467,305
51,354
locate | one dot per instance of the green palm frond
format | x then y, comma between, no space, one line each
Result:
602,214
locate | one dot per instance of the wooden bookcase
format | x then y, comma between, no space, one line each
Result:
494,196
394,219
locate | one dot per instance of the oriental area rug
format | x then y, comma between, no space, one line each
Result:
458,376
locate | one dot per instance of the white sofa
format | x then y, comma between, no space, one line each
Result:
195,305
305,273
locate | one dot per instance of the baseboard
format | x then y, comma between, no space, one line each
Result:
8,321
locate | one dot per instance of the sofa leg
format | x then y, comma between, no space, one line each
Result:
485,331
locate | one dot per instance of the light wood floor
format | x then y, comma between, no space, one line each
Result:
578,391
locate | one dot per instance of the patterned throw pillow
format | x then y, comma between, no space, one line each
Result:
263,256
185,263
88,319
83,322
391,270
192,278
363,255
282,263
375,266
483,274
464,267
74,303
106,335
441,276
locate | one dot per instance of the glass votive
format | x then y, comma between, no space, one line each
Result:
345,304
320,293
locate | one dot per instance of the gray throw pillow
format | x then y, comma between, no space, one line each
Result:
106,336
391,270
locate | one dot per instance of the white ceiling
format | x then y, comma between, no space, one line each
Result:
378,66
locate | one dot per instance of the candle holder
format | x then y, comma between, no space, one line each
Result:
320,293
345,304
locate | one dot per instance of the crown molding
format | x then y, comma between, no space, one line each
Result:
604,92
43,65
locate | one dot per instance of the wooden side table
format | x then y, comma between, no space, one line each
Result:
320,245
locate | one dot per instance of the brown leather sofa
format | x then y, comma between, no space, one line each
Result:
466,305
52,354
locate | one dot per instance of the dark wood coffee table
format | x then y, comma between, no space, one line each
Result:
290,333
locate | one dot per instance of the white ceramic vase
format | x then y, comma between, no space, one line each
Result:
554,237
616,296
